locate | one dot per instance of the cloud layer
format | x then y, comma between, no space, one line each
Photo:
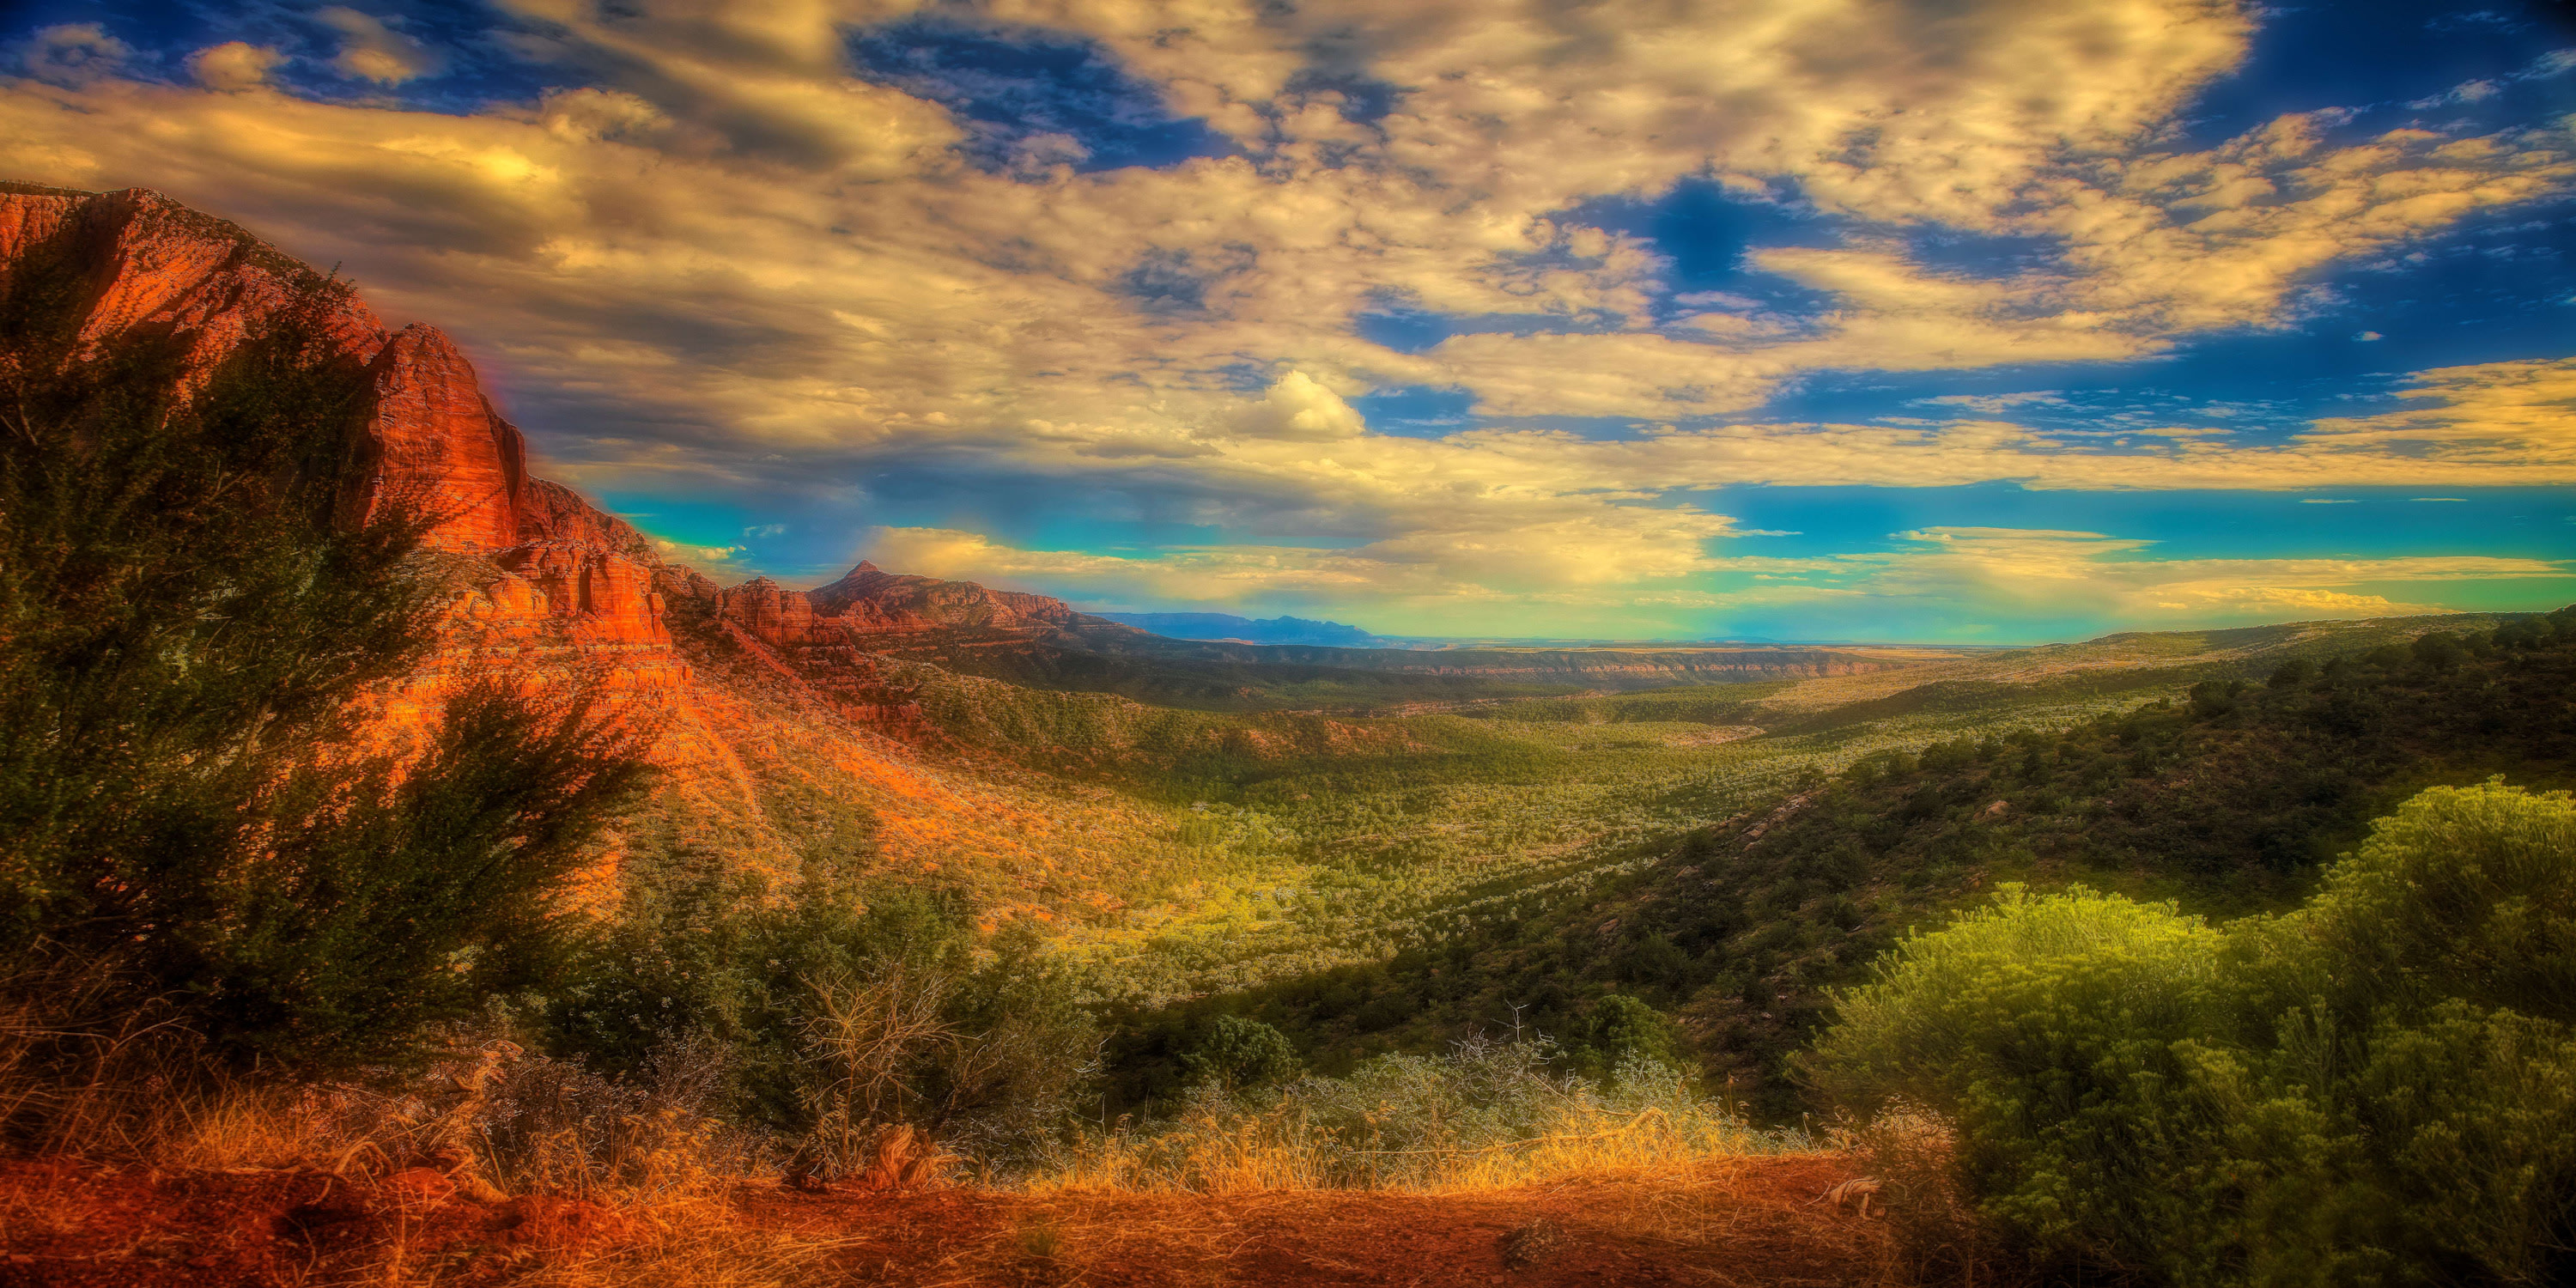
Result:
716,256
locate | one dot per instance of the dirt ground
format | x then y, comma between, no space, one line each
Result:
1759,1221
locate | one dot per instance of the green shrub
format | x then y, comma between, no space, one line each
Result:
1242,1055
190,802
1623,1032
840,1009
2044,1026
2462,893
2379,1087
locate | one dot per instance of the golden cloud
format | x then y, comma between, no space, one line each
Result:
723,246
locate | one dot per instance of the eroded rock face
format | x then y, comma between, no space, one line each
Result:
141,266
872,608
779,618
555,513
438,447
554,585
774,688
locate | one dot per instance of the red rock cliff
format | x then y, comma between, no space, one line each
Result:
560,581
439,448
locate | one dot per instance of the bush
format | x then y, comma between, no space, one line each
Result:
1623,1032
191,800
842,1011
2462,893
2378,1087
1242,1055
2044,1027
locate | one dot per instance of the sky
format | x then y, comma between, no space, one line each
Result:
1977,321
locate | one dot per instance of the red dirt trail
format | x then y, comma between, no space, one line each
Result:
1751,1222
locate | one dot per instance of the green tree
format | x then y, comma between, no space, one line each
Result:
2379,1087
192,797
1622,1031
1243,1055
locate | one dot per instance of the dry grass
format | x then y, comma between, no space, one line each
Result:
1292,1148
497,1166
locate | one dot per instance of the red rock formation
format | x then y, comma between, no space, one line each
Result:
150,268
895,602
439,448
786,687
562,585
551,512
781,619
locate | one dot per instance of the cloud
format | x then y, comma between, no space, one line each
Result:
698,554
2004,579
2503,415
1598,552
1297,408
373,51
717,258
69,54
234,66
1997,404
785,194
2007,575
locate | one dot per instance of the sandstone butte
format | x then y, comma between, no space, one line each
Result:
549,588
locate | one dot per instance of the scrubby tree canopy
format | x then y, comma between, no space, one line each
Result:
193,800
2377,1087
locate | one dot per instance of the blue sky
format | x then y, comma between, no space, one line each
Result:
1994,321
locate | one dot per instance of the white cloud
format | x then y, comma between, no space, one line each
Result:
234,66
698,554
2008,578
724,261
1298,408
370,50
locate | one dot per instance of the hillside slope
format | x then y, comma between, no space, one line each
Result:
551,591
2227,796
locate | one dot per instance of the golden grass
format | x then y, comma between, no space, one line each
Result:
142,1144
1281,1150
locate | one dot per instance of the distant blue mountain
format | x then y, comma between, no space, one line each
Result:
1227,626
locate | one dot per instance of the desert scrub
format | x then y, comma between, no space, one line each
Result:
1487,1113
2377,1087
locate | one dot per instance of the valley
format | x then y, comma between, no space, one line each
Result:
908,877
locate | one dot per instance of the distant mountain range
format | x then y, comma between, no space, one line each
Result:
1266,630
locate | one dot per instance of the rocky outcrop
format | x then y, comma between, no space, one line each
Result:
780,619
142,267
547,582
870,607
551,512
870,599
438,448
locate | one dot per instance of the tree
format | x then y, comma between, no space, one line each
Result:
1623,1030
193,798
1243,1055
2377,1087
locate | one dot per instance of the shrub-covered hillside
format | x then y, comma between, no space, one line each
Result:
2228,801
2376,1087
